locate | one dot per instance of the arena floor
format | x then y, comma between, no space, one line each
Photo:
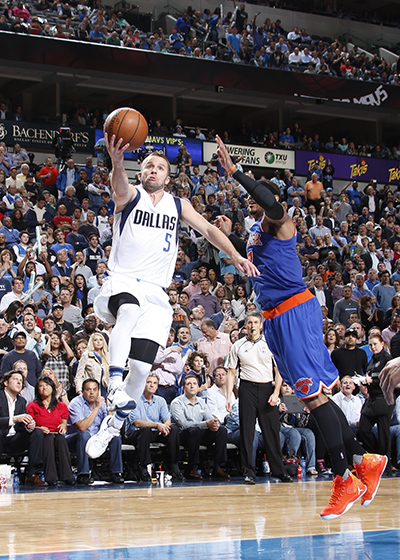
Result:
210,521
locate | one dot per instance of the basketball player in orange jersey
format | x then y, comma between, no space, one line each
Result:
293,331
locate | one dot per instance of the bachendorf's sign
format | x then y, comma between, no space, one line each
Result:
39,136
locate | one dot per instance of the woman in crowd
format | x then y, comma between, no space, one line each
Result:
219,293
375,409
331,340
61,393
201,194
212,276
57,355
23,203
186,192
53,287
197,205
3,178
51,205
238,302
369,316
51,417
94,364
13,313
50,234
81,290
18,220
394,309
6,265
21,247
80,347
197,364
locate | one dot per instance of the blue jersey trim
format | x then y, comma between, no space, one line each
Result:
178,205
127,210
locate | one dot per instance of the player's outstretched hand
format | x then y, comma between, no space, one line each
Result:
389,379
224,224
224,157
246,266
115,149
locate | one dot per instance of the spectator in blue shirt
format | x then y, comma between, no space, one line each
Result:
286,140
96,35
11,234
176,39
150,422
183,24
86,413
233,42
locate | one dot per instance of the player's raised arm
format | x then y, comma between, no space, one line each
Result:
256,189
216,238
390,379
123,191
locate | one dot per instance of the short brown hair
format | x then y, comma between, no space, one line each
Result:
190,376
6,377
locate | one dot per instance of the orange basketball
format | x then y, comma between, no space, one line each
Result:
128,124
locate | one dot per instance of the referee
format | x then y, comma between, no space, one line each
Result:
258,397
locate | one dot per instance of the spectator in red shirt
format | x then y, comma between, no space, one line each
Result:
51,417
62,221
48,177
22,12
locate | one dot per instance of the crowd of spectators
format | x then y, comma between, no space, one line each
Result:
348,246
212,36
291,138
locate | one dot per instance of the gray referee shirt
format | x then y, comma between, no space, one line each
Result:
254,358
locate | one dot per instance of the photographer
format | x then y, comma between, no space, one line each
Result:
63,144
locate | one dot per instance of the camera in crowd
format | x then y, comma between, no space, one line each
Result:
63,144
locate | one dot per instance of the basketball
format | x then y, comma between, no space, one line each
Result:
128,124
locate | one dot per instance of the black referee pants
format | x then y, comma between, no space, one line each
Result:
253,404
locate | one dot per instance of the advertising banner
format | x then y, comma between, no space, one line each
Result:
254,156
169,145
351,167
40,136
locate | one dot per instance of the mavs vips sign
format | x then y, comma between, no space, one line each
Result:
253,156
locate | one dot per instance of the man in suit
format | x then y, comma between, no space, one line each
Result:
323,295
18,432
330,220
371,201
311,218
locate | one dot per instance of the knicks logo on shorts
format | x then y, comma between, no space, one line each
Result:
303,385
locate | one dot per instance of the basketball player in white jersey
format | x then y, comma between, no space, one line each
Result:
141,264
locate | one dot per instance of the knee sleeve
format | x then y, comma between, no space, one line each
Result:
143,350
116,301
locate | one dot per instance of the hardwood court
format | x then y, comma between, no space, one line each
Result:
134,515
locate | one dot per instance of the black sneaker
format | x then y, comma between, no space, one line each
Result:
249,480
177,476
284,477
117,478
144,475
84,479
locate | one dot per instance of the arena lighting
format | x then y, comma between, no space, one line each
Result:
24,77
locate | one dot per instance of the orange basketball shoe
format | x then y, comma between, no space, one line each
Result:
370,472
344,494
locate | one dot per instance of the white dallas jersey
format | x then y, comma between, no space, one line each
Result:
145,238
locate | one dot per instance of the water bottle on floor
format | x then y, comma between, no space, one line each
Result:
303,467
